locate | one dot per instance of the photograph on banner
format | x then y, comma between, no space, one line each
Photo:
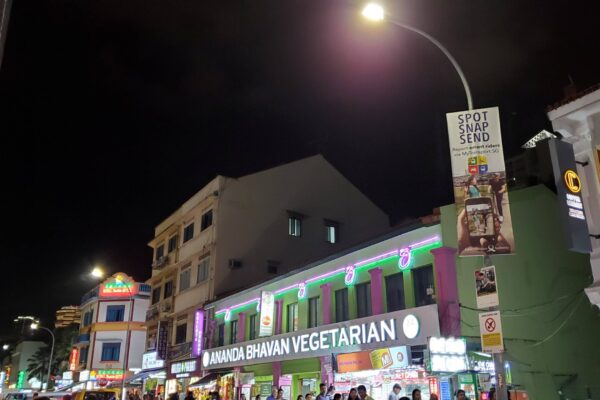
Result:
486,289
484,223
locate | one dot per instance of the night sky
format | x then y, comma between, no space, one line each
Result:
113,113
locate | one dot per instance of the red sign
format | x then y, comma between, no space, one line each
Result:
118,289
433,385
109,375
74,359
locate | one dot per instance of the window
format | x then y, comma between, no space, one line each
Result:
188,232
172,243
331,231
294,226
83,354
180,333
292,317
168,289
203,270
160,251
87,318
423,283
252,327
341,305
110,351
233,332
184,279
206,220
221,335
394,287
115,313
313,312
155,295
363,300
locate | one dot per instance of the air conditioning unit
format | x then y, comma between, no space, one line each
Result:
235,264
166,307
159,262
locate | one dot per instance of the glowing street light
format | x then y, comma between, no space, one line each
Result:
373,12
5,347
34,326
97,272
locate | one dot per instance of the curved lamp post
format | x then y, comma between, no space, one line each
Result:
375,12
35,326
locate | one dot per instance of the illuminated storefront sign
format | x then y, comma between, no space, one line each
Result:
151,361
388,357
448,354
84,375
118,289
183,369
74,359
67,376
21,379
481,362
385,330
109,374
410,326
198,333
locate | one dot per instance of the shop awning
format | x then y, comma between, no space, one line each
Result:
71,386
206,379
143,375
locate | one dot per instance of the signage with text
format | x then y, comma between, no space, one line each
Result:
267,314
109,374
198,333
151,361
384,330
118,289
484,221
183,369
392,357
74,359
490,328
447,354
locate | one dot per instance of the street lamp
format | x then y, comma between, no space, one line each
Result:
5,347
375,12
34,326
97,272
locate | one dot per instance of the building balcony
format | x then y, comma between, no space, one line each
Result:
92,294
159,310
180,350
165,260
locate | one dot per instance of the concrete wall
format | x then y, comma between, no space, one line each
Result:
253,221
136,349
550,329
579,122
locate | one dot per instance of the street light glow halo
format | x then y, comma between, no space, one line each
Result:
97,272
34,326
373,12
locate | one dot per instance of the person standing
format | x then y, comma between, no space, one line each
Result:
331,392
280,394
273,395
362,393
322,392
460,395
498,186
395,394
416,394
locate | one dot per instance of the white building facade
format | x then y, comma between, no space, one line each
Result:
112,333
236,232
578,121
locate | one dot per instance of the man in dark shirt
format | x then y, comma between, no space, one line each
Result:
498,186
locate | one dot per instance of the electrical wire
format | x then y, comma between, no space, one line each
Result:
561,325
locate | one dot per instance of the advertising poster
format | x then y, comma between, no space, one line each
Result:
267,311
486,288
484,223
392,357
490,328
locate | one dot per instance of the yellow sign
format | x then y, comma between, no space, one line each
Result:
572,181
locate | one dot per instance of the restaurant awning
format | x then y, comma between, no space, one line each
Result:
140,376
205,380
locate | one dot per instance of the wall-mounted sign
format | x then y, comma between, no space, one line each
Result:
384,330
84,375
486,289
267,311
114,288
183,369
198,333
447,354
109,374
67,376
410,326
481,362
150,360
21,379
162,340
74,359
479,180
568,190
393,357
490,328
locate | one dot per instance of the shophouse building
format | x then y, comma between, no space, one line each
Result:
362,315
236,232
577,119
112,333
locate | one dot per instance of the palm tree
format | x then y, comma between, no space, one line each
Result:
38,364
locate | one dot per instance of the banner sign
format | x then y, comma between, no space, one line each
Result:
447,354
162,339
73,359
490,328
151,361
486,289
370,333
267,311
198,333
568,190
183,369
388,357
110,374
484,222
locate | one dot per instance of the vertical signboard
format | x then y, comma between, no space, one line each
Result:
568,189
484,222
490,328
161,341
486,288
73,359
267,310
198,333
